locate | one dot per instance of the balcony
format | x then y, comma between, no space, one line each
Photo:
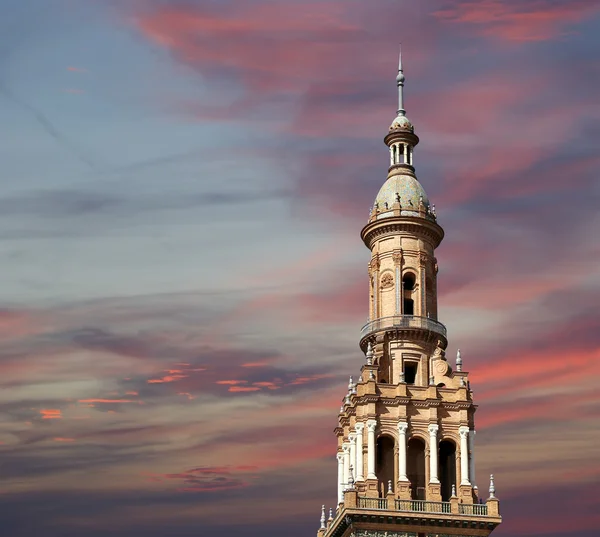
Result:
361,514
421,506
406,322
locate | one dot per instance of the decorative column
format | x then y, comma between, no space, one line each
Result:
340,459
375,272
433,453
346,450
371,426
397,257
422,286
359,452
464,455
402,428
352,446
472,457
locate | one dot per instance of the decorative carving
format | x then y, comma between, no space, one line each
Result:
397,256
441,368
439,353
422,259
387,281
375,263
433,429
402,427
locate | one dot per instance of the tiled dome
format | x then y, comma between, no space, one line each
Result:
402,122
410,191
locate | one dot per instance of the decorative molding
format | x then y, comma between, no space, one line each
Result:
387,280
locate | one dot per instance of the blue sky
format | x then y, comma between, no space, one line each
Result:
183,186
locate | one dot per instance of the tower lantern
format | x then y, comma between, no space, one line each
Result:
406,460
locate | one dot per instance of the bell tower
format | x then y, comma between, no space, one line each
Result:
406,460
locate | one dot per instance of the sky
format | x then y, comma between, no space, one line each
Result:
182,188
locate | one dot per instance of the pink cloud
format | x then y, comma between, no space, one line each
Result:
526,20
51,413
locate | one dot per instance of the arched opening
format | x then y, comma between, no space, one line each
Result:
384,463
447,468
408,155
408,286
415,468
394,158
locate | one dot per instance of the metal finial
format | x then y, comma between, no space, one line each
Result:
330,514
492,487
453,489
322,517
390,486
458,361
400,83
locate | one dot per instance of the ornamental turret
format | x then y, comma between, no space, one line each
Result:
406,430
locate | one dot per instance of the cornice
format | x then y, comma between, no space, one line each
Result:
390,226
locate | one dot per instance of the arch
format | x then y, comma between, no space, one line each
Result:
409,280
447,467
384,463
415,467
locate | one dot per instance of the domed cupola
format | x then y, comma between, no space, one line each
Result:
401,194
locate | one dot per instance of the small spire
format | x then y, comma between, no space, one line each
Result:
330,514
400,82
390,486
350,385
350,479
369,354
322,517
492,487
458,361
453,490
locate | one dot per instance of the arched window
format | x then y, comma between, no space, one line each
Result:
384,465
408,286
415,468
447,468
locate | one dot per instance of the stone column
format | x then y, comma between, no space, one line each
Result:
464,455
359,452
397,257
340,459
346,450
433,453
371,426
472,457
402,428
375,264
352,446
422,285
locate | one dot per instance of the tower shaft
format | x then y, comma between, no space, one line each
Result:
406,461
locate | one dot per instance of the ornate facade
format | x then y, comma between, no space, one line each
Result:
406,461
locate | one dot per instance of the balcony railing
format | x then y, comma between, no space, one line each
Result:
421,506
477,509
403,321
372,503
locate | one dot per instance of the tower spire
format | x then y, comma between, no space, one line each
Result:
400,82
